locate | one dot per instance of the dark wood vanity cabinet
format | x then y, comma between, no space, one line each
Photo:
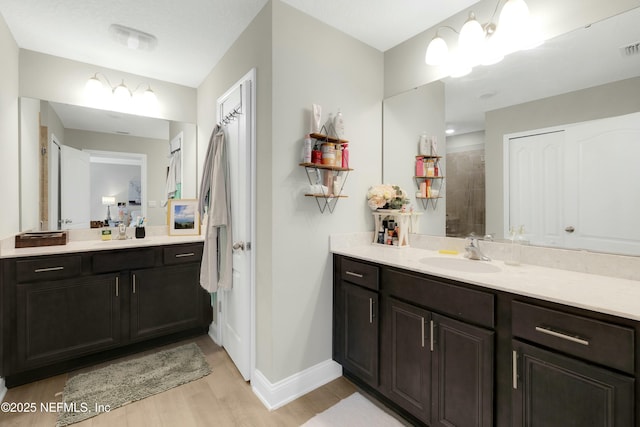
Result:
356,323
434,366
453,354
570,370
65,311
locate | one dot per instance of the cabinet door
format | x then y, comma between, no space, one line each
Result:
552,390
408,363
165,300
58,320
360,344
462,386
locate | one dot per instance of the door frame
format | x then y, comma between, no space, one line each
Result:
215,330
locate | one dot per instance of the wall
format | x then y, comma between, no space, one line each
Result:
9,151
406,117
64,81
189,156
314,63
609,100
157,162
404,64
112,180
29,164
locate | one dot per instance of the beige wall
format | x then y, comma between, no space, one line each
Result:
9,171
314,63
65,80
609,100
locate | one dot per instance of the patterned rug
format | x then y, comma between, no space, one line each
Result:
89,394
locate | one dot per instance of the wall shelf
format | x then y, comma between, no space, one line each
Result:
431,176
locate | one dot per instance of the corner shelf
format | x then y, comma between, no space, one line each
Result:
326,199
434,182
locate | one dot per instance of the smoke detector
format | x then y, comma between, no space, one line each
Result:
132,38
631,49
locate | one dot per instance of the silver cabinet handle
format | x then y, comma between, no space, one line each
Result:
117,285
422,330
134,283
185,255
564,336
370,310
351,273
514,372
431,329
43,270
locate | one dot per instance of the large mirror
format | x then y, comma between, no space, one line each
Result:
588,74
96,166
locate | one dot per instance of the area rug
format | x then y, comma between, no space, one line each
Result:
89,394
354,411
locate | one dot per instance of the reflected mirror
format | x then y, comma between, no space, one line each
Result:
97,166
587,74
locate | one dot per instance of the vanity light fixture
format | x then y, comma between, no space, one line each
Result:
485,44
96,89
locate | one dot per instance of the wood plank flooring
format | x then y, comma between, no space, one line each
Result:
220,399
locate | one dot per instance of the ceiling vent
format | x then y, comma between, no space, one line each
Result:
631,49
132,38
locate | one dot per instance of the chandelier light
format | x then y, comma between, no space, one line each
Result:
485,44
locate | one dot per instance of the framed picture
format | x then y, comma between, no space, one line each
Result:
183,217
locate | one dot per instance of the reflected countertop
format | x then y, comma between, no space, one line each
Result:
90,240
604,294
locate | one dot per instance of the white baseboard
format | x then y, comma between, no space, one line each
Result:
273,396
213,333
3,389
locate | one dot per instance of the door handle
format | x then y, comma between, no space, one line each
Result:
570,229
238,246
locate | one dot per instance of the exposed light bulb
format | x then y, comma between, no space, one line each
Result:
94,87
513,24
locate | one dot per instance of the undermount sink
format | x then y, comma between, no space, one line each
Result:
461,265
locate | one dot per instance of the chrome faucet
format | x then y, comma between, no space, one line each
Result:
473,250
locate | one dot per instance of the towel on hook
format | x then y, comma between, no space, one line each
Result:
215,198
173,186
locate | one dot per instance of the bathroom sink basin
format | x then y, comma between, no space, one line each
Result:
461,265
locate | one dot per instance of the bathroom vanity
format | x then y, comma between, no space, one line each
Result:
448,343
67,307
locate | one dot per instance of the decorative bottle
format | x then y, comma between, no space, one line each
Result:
345,156
338,125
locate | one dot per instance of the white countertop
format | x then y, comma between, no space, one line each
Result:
615,296
85,243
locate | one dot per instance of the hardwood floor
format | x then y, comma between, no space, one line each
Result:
220,399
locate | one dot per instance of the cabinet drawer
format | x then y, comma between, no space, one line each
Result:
119,260
359,273
182,254
587,338
48,268
457,301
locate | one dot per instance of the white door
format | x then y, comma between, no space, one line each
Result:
75,188
536,187
602,203
235,316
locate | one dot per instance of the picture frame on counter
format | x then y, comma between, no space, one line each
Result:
183,217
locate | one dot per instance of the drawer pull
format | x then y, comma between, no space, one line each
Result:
351,273
561,335
44,270
185,255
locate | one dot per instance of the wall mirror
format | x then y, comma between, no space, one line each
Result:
587,74
126,158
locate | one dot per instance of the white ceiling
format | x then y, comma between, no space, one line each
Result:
193,35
